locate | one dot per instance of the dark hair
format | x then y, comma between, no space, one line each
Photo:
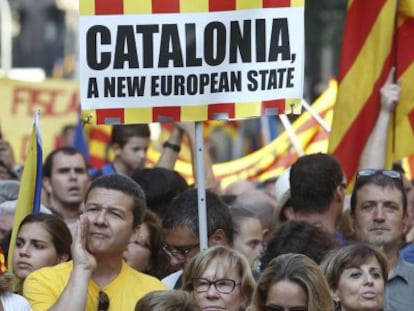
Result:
160,185
313,182
125,185
380,180
351,256
48,164
6,170
121,133
156,241
184,211
56,227
299,237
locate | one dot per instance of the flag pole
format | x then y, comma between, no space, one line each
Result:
29,196
395,64
201,187
316,116
292,135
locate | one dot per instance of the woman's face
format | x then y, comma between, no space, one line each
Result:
286,295
362,288
138,253
209,298
34,249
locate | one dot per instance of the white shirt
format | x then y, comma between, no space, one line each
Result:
171,279
14,302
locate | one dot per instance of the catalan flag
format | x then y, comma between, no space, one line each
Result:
377,36
28,200
2,262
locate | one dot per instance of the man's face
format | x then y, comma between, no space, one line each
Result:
6,154
134,153
69,179
110,217
379,217
6,223
409,189
181,245
248,241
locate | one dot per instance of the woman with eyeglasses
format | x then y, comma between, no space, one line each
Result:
292,282
219,279
357,274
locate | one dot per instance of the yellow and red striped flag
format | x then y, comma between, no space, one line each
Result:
29,197
377,36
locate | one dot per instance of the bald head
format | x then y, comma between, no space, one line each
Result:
240,186
259,203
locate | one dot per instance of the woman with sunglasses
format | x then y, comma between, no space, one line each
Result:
292,282
219,279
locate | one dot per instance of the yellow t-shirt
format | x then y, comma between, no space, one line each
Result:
43,287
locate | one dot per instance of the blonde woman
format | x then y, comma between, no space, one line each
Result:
219,278
292,282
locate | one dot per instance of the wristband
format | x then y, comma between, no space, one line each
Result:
173,147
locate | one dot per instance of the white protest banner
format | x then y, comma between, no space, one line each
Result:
191,66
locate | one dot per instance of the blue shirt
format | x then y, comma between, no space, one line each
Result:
408,252
399,292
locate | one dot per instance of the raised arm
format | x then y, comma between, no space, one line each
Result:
171,148
374,152
209,178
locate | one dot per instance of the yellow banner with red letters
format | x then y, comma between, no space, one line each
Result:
57,101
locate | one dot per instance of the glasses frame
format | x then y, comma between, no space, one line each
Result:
194,280
181,252
103,301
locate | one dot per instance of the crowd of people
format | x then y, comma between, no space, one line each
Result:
127,237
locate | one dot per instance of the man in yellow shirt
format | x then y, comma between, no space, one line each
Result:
97,278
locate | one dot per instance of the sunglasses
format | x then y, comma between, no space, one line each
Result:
371,172
103,301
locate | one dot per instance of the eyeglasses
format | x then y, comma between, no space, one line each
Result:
224,286
370,172
179,252
103,301
282,308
